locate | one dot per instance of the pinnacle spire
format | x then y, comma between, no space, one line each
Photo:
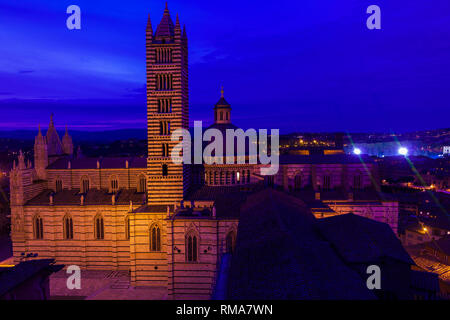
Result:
221,92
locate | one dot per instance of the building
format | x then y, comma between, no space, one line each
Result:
168,224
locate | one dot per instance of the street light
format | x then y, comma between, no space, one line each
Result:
357,151
403,151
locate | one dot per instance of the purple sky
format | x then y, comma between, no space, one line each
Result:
295,65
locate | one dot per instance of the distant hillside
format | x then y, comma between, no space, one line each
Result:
82,136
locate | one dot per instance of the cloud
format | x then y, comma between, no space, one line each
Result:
26,71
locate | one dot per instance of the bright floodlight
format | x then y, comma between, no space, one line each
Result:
357,151
403,151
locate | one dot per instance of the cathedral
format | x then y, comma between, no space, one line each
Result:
168,224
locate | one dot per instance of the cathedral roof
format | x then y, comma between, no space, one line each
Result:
54,145
92,197
166,26
105,163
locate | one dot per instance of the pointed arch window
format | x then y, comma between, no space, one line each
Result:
298,182
230,242
58,185
155,238
191,247
327,182
68,227
114,184
357,184
99,228
84,184
142,184
38,227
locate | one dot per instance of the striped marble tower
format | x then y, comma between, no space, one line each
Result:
167,109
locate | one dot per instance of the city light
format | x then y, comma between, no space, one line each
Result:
403,151
357,151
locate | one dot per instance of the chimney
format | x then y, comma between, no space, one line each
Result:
51,199
214,212
350,196
82,199
126,164
98,164
168,212
131,205
317,195
113,199
69,165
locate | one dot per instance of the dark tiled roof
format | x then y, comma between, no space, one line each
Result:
105,163
425,280
92,197
279,255
153,209
213,192
324,159
12,277
362,240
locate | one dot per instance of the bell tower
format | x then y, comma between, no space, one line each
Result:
167,108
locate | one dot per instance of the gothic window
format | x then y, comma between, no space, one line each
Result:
164,128
227,177
164,105
68,228
248,176
142,186
215,177
38,228
99,230
155,238
114,184
327,182
59,185
165,170
84,185
243,177
221,177
233,177
230,240
298,182
191,247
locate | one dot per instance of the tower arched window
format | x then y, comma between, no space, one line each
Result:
165,170
191,247
99,228
221,115
155,238
165,149
68,227
38,227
